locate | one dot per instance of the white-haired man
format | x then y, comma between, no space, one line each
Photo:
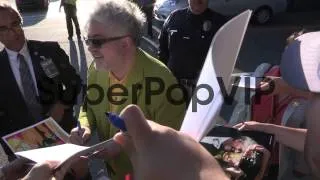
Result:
123,74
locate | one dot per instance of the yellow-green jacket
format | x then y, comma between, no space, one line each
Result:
160,110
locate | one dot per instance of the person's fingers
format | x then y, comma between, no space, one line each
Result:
44,167
250,125
228,125
235,173
52,164
74,131
61,171
86,135
243,127
270,78
268,87
109,151
264,86
136,124
126,143
269,83
79,136
259,148
75,139
237,126
265,160
43,171
59,175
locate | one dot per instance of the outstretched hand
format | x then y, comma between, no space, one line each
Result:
159,152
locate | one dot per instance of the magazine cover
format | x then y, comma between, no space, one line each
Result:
242,154
43,134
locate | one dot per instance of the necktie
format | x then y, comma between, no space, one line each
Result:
29,89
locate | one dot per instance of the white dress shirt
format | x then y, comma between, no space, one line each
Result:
15,63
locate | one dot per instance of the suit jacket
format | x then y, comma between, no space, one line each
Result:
64,87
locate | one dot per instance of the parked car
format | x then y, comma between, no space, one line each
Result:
43,4
263,10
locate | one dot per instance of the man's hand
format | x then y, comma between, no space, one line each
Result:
16,169
48,169
278,85
42,171
159,152
251,126
57,111
80,136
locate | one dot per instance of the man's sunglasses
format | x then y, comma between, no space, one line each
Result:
98,42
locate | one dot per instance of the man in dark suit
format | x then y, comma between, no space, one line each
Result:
70,9
36,79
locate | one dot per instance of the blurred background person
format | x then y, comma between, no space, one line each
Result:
147,7
70,9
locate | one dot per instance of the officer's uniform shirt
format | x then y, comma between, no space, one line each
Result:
185,39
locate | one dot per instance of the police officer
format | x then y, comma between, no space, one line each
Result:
185,38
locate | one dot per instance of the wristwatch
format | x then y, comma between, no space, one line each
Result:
2,176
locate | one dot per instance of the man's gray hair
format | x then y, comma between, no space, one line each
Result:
5,6
122,16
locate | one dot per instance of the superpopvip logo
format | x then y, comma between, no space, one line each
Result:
121,92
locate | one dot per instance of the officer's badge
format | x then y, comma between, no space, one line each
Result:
207,25
49,67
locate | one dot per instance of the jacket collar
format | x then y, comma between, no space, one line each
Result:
135,76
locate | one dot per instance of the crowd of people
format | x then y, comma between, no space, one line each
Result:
40,82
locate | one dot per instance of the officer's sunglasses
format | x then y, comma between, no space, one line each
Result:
98,42
15,26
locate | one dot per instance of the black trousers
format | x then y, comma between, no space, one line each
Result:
71,15
148,10
189,86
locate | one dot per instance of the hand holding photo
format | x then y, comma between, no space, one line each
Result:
43,134
242,154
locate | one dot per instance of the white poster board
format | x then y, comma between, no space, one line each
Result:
220,62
